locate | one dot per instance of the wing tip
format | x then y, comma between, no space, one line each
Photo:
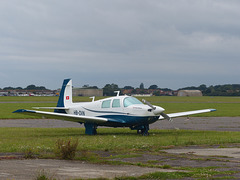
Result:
22,111
212,110
19,111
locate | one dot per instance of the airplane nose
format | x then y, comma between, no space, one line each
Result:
158,110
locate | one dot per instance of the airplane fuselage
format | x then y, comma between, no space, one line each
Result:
121,111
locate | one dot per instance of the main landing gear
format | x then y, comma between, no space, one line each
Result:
90,129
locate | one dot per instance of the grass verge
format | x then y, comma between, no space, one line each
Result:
226,106
109,139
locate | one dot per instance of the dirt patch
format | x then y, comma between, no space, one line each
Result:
222,159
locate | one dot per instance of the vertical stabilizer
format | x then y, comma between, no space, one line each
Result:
65,97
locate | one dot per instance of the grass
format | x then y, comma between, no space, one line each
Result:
203,174
108,139
226,106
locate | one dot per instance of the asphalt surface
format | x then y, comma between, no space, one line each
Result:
61,169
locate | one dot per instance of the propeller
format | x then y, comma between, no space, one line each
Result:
166,116
149,104
154,108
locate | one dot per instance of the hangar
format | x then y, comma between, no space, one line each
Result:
87,92
189,93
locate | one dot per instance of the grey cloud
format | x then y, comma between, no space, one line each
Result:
132,40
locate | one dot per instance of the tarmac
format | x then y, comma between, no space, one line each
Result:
193,123
224,152
62,169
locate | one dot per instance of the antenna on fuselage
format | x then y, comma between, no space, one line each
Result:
93,98
118,92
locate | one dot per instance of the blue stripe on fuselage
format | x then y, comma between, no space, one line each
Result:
128,121
104,111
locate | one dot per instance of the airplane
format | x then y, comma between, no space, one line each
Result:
117,111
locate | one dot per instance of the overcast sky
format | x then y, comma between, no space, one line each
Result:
170,43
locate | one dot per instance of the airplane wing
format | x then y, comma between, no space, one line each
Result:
60,108
61,116
173,115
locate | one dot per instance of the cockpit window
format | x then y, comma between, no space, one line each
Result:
106,104
130,101
116,103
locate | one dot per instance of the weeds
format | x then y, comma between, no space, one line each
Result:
66,149
44,175
28,153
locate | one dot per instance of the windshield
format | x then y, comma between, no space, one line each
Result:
130,101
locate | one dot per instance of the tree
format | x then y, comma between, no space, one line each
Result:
128,87
202,87
85,86
8,88
141,86
89,87
153,87
109,89
157,93
31,87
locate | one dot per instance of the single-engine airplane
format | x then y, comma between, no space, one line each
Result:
117,111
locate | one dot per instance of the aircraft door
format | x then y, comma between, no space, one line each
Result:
116,105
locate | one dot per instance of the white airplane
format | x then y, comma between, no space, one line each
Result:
118,111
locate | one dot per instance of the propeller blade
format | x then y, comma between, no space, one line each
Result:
149,104
166,116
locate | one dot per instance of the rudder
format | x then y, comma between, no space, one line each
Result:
65,97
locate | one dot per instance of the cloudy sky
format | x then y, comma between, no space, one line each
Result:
170,43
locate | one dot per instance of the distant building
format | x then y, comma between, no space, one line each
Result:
145,95
3,93
87,92
189,93
22,92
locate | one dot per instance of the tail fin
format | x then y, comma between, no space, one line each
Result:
65,98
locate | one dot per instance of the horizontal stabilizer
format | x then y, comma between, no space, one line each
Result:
173,115
61,116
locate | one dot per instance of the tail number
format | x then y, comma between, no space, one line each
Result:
80,113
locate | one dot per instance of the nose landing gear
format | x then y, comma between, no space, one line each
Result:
144,130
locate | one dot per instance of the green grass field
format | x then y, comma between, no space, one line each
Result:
226,106
11,139
120,140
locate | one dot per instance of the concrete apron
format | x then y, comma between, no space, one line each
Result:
63,169
227,152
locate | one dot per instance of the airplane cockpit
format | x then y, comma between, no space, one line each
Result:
131,101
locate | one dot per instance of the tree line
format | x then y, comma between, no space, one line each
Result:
218,90
30,87
108,89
